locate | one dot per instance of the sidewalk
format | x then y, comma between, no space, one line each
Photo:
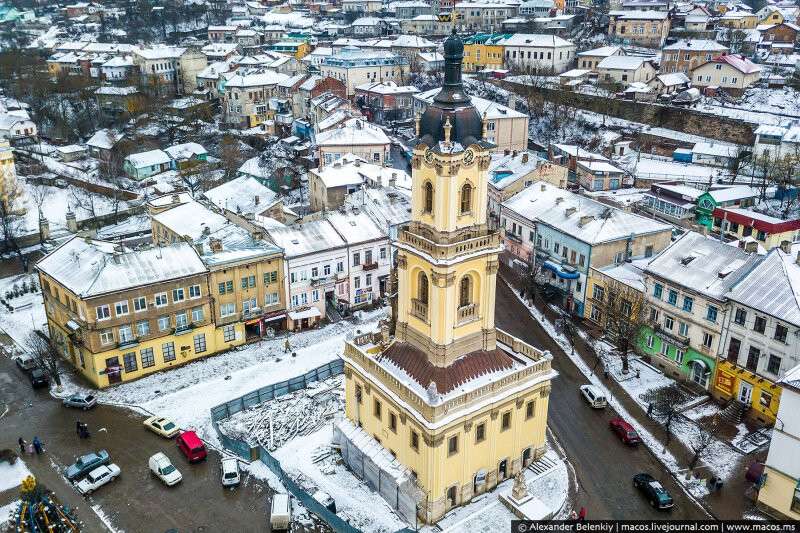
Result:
730,502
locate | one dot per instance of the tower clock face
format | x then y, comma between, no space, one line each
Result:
469,157
429,156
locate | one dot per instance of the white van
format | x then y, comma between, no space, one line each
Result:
280,515
161,466
594,396
230,471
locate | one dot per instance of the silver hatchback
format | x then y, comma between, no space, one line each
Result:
81,400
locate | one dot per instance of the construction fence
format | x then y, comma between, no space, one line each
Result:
245,451
402,498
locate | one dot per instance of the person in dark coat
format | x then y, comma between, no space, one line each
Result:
84,431
78,427
37,445
22,443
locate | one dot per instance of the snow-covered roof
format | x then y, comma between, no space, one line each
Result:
622,62
354,132
356,228
580,153
237,244
149,158
740,63
387,87
257,78
430,57
191,219
353,170
387,206
535,40
715,149
599,166
307,238
505,169
682,190
603,51
412,41
119,61
92,268
244,194
704,45
673,78
631,274
185,150
702,264
735,192
549,204
492,109
104,139
790,379
160,52
118,91
639,15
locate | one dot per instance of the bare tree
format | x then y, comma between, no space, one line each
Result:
39,192
623,316
230,155
664,408
12,219
706,434
45,354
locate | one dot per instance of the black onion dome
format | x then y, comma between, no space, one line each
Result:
451,102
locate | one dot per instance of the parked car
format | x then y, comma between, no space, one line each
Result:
39,378
594,396
161,466
624,431
86,463
162,426
229,467
191,446
81,400
280,515
97,478
26,362
653,490
325,499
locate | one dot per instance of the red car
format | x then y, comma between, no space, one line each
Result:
624,431
191,446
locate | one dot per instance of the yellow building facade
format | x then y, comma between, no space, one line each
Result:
483,52
461,405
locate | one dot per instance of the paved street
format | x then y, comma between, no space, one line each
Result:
603,465
137,501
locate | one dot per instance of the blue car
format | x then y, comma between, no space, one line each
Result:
86,463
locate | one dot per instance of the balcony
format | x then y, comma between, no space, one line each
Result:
370,266
467,313
322,280
419,309
126,343
185,328
673,338
255,312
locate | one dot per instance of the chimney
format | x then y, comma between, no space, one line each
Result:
257,199
357,163
514,153
176,198
786,247
570,211
199,247
585,219
525,157
393,180
544,187
215,245
751,247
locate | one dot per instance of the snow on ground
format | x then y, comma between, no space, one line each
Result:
694,486
186,394
488,513
7,513
12,475
356,503
28,311
105,519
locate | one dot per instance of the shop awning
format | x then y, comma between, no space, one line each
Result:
307,313
559,270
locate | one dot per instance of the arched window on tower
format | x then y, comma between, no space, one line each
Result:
422,291
466,198
428,200
465,291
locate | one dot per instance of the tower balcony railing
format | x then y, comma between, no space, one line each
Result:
419,309
460,243
467,313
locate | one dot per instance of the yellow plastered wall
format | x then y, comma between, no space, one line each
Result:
777,494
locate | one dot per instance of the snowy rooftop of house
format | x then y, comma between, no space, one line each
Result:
599,166
622,62
354,132
682,190
169,199
792,378
532,39
702,264
334,118
773,286
430,57
353,170
255,78
185,150
639,15
104,139
412,41
310,83
237,244
149,158
213,70
292,81
740,63
703,45
191,219
505,169
252,167
673,78
591,221
735,192
387,206
387,87
603,51
119,61
492,109
119,91
715,149
71,149
92,268
308,238
631,274
160,52
576,151
216,49
244,194
355,228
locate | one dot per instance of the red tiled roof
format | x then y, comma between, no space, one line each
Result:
767,226
472,365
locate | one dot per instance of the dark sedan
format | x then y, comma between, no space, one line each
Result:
39,378
653,490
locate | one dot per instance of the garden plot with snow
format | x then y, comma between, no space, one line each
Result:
22,307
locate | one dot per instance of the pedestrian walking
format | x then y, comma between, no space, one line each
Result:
582,514
287,347
573,515
30,449
650,410
84,431
21,442
38,445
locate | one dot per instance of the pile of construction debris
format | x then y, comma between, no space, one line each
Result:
274,423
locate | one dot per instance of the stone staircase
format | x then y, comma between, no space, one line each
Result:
544,464
733,413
